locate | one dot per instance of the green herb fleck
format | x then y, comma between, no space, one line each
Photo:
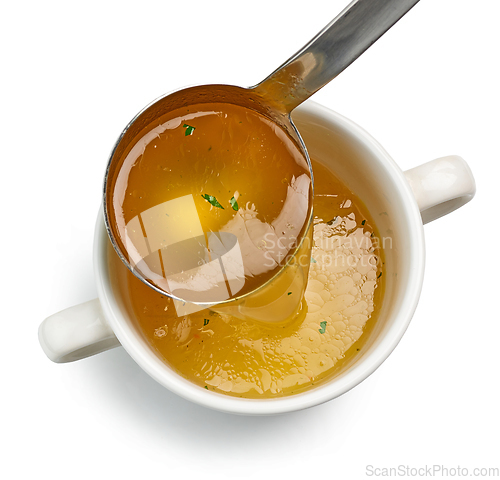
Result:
323,327
189,129
313,261
205,322
234,204
206,387
363,222
379,275
212,200
289,293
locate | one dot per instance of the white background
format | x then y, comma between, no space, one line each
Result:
74,73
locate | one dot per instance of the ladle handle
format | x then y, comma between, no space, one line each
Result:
343,40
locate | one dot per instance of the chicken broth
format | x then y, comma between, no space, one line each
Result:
210,202
252,359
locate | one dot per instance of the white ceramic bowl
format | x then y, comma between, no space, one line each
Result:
399,203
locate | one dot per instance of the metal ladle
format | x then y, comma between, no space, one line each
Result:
343,40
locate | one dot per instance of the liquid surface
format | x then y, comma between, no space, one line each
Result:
258,360
210,200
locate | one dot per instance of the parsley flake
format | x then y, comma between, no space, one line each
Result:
289,293
379,275
234,204
212,201
323,327
206,387
205,322
313,261
363,222
189,129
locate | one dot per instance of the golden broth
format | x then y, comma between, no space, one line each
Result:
207,168
257,360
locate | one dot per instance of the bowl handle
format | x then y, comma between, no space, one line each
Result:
76,333
441,186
